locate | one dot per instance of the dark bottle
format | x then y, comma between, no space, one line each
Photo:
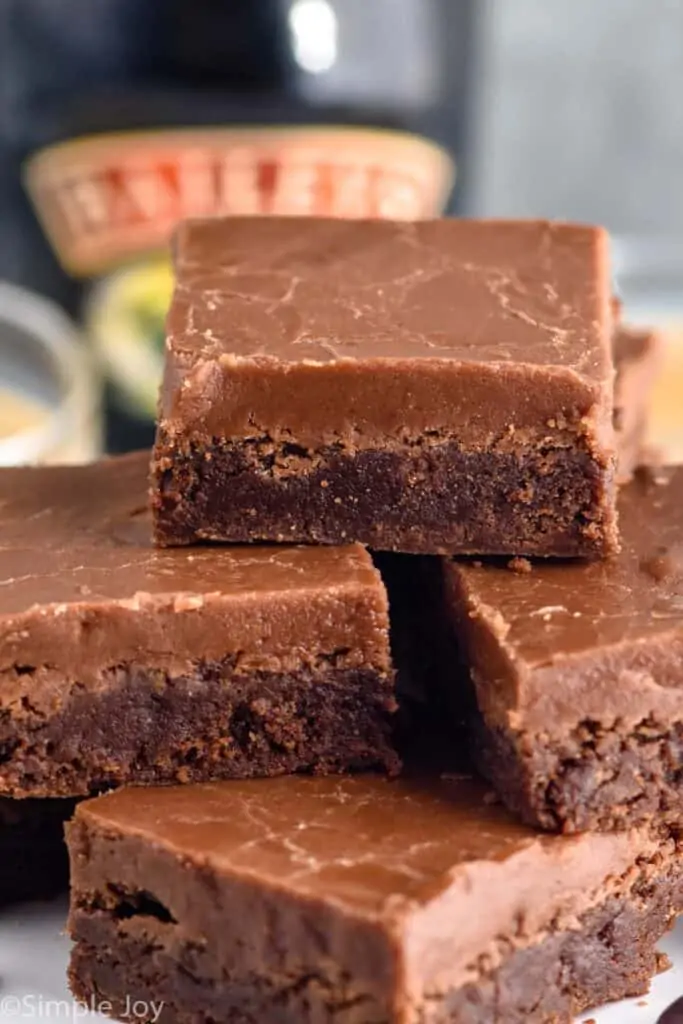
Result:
265,87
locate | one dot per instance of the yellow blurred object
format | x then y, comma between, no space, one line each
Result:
19,412
125,318
665,432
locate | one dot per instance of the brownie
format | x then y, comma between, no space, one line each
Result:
577,671
638,358
434,387
120,663
33,855
360,900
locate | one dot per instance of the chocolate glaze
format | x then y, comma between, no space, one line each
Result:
572,641
432,865
82,588
483,330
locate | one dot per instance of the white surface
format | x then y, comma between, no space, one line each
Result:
34,952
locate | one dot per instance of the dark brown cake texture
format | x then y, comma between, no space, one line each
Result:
120,663
577,671
436,387
358,900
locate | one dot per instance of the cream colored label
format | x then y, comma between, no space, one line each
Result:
106,198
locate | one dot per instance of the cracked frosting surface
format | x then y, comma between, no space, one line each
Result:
461,325
570,640
80,583
442,870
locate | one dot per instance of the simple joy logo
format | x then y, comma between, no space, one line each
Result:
35,1007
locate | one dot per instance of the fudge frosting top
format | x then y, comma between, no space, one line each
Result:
464,312
601,639
414,854
77,562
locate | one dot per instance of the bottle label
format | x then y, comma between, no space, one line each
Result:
105,199
109,205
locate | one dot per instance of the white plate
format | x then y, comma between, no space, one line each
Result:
34,952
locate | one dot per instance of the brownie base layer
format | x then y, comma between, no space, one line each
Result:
593,779
33,855
136,952
142,727
429,499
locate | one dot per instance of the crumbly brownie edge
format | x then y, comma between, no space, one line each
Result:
594,778
137,956
32,849
430,499
144,727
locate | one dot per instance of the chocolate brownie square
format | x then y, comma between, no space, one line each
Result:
576,668
120,663
434,387
359,899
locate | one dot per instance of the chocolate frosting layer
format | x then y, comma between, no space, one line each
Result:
565,642
446,873
325,330
82,587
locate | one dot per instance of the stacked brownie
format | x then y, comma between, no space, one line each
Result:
442,387
443,393
130,665
122,664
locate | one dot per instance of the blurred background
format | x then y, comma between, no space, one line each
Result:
118,117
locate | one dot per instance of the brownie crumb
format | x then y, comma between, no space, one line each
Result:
519,565
664,963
